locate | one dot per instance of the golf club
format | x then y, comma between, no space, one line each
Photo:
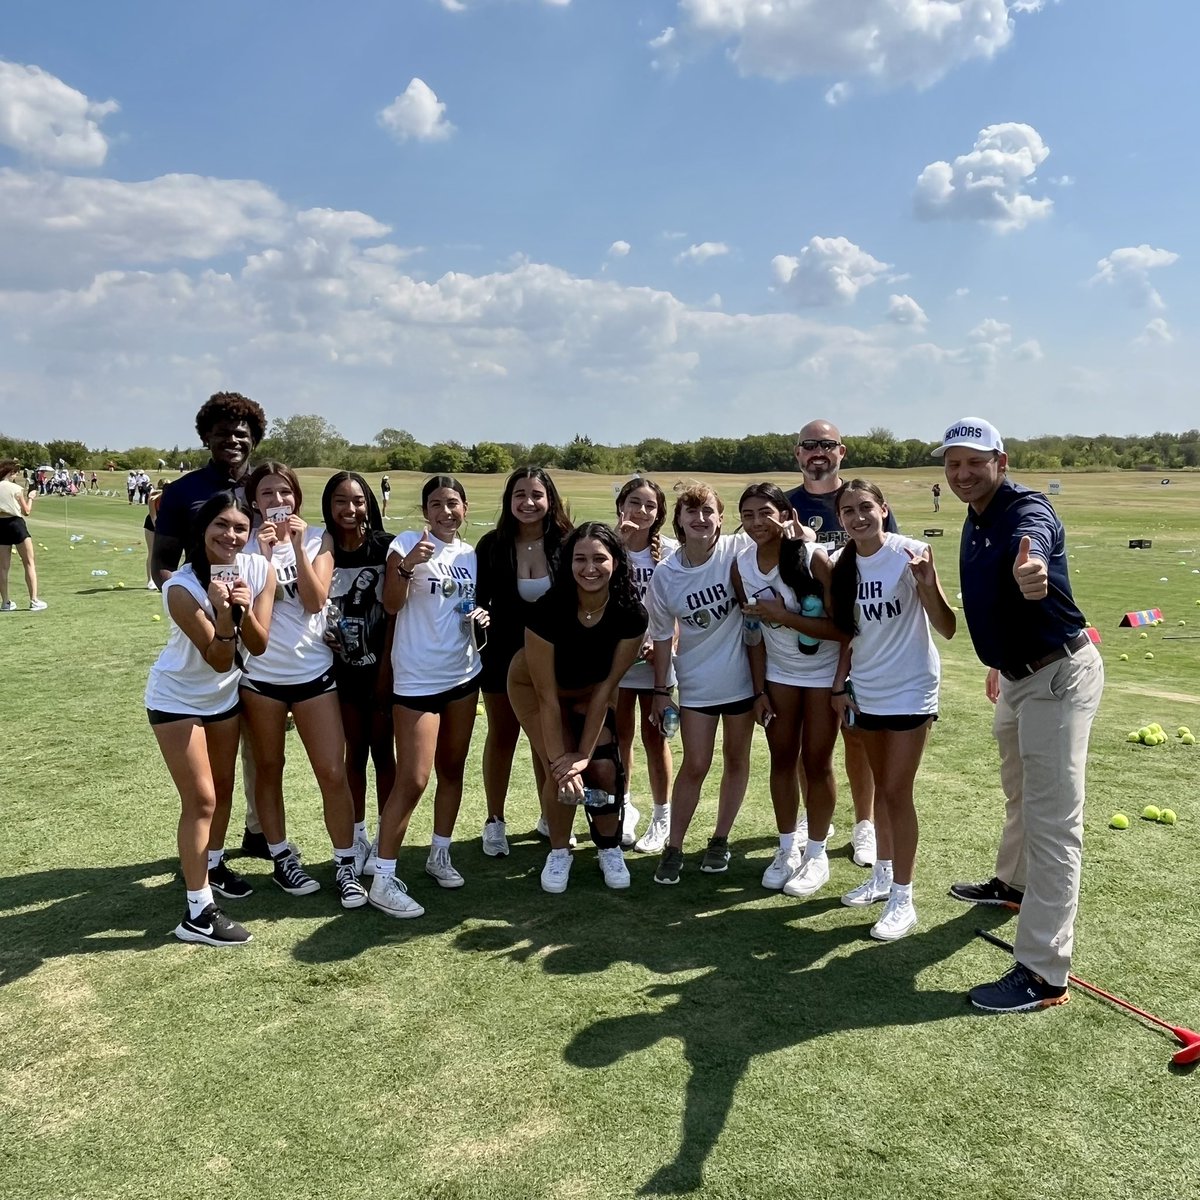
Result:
1189,1038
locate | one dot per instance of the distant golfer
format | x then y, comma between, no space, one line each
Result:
1046,679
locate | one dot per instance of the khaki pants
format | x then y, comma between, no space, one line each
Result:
1042,725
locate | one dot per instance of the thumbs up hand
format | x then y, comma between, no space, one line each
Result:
421,552
1030,572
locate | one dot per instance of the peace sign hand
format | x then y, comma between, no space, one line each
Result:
922,567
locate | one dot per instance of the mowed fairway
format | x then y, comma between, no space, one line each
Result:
710,1039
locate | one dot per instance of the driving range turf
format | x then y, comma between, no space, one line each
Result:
710,1039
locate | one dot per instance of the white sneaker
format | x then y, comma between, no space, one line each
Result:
495,839
37,605
783,866
557,871
372,859
899,919
802,830
389,895
812,876
629,824
544,831
439,866
8,606
363,849
862,838
151,586
612,863
655,837
870,892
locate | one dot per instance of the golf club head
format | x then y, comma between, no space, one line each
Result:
1191,1048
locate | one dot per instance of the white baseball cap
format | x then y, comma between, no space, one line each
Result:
972,433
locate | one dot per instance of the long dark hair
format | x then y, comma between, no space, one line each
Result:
194,551
555,525
793,558
845,570
632,485
374,516
620,586
436,482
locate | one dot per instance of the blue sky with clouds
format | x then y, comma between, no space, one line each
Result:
522,219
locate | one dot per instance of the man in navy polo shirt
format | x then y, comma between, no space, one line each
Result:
1046,678
819,454
230,426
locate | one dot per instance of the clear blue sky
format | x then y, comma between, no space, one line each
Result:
522,219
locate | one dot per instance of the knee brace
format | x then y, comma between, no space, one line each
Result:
615,806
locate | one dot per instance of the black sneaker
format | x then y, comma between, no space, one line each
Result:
292,877
254,845
716,857
228,883
669,865
1018,991
211,928
351,893
994,891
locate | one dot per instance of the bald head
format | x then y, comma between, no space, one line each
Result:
819,454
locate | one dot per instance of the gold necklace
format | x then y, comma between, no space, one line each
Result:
589,613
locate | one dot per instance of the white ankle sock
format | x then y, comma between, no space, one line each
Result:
277,848
360,831
814,849
340,855
199,900
385,866
440,843
214,858
902,892
787,841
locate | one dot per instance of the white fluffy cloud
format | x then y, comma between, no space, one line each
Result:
827,272
418,114
1156,333
46,120
889,42
989,182
58,228
701,252
1129,270
619,249
904,310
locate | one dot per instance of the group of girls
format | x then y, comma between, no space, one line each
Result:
379,647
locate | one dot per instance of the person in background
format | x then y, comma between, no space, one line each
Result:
385,492
148,532
1048,679
516,562
937,497
15,506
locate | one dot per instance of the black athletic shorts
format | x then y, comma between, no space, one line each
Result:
895,724
159,717
13,531
291,694
735,708
439,701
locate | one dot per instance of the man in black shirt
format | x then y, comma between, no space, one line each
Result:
819,455
230,426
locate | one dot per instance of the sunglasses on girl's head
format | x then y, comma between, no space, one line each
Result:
819,444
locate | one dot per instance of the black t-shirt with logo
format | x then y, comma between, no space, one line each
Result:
819,513
356,590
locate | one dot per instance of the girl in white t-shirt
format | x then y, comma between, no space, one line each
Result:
641,511
783,582
220,596
694,588
886,595
296,674
430,586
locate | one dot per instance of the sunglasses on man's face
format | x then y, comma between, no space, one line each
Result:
819,444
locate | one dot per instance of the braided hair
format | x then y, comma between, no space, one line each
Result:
845,570
631,486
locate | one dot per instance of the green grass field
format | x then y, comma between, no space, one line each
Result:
710,1039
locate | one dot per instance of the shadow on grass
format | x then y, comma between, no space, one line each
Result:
762,978
52,914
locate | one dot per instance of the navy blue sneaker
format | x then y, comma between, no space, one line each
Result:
1018,991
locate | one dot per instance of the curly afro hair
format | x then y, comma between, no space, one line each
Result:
231,406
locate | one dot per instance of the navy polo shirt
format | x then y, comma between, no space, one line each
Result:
819,513
1007,630
187,495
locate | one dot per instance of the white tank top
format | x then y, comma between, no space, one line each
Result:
640,676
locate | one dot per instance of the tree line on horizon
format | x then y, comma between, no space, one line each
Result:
312,441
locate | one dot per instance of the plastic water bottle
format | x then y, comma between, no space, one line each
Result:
670,721
751,625
597,798
98,574
810,606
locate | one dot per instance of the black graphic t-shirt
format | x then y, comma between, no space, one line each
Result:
819,513
356,591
